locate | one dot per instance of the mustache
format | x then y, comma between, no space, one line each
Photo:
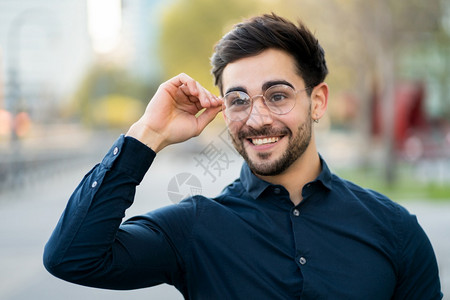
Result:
264,131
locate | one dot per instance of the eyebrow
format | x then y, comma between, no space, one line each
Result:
236,89
269,84
265,86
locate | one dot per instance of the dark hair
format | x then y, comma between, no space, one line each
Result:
257,34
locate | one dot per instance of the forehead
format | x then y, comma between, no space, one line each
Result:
252,72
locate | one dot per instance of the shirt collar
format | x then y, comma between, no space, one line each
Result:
255,185
252,184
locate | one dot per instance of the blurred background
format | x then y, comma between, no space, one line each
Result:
75,74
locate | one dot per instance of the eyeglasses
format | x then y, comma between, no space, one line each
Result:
279,99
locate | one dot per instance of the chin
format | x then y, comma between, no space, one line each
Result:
264,164
269,168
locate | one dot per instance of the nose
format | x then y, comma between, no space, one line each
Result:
260,114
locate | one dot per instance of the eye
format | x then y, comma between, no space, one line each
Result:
240,102
237,99
277,96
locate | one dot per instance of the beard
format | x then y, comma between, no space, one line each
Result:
296,147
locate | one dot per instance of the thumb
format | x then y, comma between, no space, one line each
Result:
206,117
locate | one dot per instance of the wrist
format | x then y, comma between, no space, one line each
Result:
147,136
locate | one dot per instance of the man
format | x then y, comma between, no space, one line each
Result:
287,228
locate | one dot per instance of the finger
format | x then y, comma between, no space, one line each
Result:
199,95
213,99
190,87
216,100
185,91
184,79
187,97
207,98
203,95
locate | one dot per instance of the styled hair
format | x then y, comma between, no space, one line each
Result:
257,34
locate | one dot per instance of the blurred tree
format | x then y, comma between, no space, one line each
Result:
386,29
190,28
93,95
117,111
364,41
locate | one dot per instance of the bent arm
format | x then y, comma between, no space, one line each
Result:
88,245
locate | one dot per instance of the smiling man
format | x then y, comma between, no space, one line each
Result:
274,135
287,228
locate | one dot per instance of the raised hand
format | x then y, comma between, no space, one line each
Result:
172,114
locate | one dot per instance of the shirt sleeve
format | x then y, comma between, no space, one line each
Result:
89,246
418,276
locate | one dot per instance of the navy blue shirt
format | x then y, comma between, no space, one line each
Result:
250,242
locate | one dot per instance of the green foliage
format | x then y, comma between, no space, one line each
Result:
99,83
190,28
117,111
408,187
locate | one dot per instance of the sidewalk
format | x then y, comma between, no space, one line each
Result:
27,218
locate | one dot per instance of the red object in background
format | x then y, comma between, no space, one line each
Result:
415,134
409,113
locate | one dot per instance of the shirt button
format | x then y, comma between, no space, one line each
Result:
296,212
94,184
115,151
302,260
276,191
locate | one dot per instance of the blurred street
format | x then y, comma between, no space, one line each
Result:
29,213
28,216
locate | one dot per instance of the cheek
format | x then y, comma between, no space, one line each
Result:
294,120
300,115
234,127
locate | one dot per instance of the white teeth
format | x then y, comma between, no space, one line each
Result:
265,141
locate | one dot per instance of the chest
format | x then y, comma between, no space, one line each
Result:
288,253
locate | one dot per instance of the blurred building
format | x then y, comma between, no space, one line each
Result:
47,47
141,28
45,50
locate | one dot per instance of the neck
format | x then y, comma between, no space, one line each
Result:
305,169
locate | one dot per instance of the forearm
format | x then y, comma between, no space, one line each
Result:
83,247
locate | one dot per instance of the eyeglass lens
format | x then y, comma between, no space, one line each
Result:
280,99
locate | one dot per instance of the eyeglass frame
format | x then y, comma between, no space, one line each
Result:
265,100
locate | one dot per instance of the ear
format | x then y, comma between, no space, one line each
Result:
319,101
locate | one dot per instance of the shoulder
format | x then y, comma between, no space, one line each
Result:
395,231
188,209
374,208
235,189
368,198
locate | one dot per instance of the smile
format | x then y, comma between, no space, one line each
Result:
264,141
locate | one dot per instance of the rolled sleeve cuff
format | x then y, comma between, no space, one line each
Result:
129,156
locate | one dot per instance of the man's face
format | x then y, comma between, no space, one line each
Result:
268,142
